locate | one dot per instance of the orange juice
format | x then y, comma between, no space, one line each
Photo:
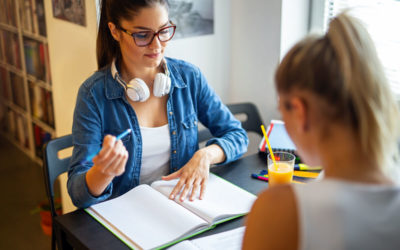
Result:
282,173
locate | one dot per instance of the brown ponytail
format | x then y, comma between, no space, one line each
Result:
114,11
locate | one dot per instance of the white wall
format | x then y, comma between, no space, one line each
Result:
240,58
72,59
295,23
255,53
211,53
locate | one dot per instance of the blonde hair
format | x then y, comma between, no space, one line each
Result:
343,69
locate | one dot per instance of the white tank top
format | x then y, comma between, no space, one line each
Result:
335,214
156,153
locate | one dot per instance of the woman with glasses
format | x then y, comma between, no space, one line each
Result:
339,110
160,99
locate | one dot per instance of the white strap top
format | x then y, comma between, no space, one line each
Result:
156,153
336,214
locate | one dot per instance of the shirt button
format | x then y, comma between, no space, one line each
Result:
195,122
174,132
170,113
174,152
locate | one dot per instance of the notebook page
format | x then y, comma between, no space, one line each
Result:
231,240
147,217
221,200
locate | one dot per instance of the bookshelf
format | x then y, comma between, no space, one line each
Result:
26,106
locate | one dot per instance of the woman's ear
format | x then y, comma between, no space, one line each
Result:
114,31
300,112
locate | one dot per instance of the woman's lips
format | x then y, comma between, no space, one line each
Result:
153,55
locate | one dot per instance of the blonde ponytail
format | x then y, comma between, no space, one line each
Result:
343,68
364,80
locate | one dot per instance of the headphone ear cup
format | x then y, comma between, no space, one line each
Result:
137,90
162,85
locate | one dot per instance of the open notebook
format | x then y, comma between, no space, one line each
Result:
146,218
231,240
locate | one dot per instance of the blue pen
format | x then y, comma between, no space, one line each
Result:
119,137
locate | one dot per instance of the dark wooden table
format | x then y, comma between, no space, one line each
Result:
79,230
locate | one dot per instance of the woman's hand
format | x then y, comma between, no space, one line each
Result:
112,158
108,163
194,175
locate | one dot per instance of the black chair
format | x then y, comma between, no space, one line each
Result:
251,124
52,168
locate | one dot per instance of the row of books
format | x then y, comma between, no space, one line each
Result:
32,16
15,125
41,101
5,84
41,137
18,91
35,59
10,49
10,16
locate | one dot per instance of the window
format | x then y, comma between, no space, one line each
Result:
382,20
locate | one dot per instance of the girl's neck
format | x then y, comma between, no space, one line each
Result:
342,158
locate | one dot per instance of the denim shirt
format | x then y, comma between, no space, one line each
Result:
102,108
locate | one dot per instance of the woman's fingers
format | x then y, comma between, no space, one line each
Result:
112,158
188,186
196,185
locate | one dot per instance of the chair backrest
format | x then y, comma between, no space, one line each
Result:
54,166
252,123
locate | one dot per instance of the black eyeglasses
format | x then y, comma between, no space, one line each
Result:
144,38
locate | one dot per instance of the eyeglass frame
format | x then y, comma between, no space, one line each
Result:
132,34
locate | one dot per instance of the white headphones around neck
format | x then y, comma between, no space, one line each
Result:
137,89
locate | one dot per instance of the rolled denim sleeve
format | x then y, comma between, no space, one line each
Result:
226,129
87,141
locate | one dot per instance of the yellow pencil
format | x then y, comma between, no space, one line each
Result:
269,146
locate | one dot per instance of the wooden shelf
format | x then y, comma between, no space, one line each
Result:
41,83
43,125
12,68
36,37
9,28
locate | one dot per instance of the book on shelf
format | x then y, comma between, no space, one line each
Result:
25,13
11,123
146,218
278,138
49,109
41,103
5,84
35,59
9,17
41,136
12,53
2,52
40,18
37,100
22,133
18,91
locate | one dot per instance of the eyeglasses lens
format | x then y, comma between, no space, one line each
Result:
146,37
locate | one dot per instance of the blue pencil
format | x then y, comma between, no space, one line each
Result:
119,137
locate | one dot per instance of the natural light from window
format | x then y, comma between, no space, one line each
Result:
382,19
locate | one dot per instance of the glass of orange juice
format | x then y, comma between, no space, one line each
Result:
282,171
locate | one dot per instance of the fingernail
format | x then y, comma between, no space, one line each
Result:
171,197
